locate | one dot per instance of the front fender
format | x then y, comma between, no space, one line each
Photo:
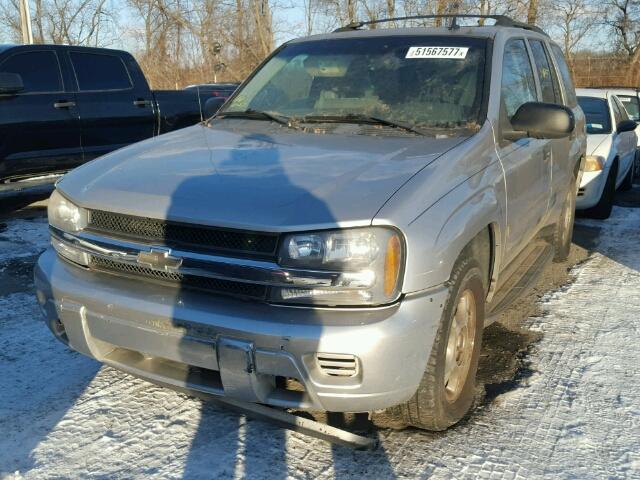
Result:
463,213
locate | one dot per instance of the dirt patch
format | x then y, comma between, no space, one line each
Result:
19,205
507,343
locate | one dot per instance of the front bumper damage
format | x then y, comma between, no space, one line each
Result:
244,350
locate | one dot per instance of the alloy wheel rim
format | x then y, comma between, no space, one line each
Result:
460,346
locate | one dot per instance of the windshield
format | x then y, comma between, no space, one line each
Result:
420,82
632,105
597,112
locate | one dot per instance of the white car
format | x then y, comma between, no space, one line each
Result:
611,149
630,98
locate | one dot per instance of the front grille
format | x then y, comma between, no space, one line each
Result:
175,234
214,285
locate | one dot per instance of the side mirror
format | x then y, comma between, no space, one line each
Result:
10,83
626,126
212,106
542,120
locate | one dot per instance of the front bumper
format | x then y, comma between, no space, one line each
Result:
591,188
245,350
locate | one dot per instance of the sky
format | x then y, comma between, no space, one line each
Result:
289,20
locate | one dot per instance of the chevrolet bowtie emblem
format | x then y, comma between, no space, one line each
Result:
159,259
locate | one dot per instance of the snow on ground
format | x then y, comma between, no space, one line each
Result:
576,416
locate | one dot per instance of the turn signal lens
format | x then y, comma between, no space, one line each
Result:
594,163
392,263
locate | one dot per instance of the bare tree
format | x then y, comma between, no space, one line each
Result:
575,19
624,21
74,22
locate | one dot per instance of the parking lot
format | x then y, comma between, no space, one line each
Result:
558,393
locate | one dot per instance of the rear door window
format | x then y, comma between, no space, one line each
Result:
96,71
518,82
569,89
40,71
546,73
596,111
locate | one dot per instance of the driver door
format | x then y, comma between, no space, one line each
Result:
526,161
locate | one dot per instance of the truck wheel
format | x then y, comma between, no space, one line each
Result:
627,183
564,228
603,208
446,391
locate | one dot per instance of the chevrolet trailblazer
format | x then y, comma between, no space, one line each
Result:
338,234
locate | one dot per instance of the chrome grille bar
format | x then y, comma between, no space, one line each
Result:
213,266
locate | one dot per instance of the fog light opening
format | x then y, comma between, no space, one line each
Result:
289,383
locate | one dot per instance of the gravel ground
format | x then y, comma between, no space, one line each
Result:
559,392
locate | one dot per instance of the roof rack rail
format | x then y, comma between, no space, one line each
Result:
501,21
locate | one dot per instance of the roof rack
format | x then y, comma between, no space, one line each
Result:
501,21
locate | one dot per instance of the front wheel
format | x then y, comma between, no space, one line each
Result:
447,388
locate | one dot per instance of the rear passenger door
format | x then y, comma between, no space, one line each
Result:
525,161
578,139
114,111
39,126
557,156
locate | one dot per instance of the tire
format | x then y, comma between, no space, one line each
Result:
564,227
627,183
636,165
602,210
436,405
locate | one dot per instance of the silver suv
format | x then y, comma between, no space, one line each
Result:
337,236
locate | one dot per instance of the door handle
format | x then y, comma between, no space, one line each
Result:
64,104
140,102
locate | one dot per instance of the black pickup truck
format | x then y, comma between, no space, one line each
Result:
61,106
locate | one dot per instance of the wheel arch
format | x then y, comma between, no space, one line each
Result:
472,224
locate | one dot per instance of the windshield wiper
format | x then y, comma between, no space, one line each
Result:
257,115
359,119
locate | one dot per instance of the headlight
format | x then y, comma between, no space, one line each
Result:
64,215
594,163
67,217
366,266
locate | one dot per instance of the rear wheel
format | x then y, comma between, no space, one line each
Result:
564,228
446,391
603,208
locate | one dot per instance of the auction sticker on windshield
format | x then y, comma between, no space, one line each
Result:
437,52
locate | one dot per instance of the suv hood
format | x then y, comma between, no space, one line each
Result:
266,178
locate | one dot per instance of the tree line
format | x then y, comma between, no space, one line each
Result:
179,42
